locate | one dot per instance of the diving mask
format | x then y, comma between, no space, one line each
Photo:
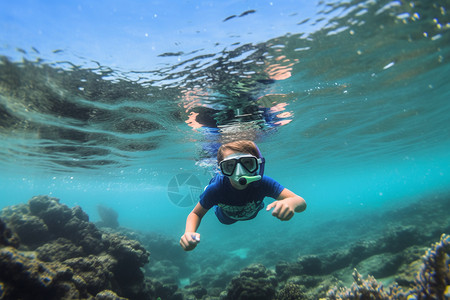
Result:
241,168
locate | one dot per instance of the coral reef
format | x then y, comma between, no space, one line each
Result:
31,229
69,255
432,281
96,271
168,263
108,295
366,289
254,282
51,251
291,291
24,277
59,249
196,290
7,237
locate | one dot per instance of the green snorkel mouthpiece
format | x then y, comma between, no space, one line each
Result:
243,180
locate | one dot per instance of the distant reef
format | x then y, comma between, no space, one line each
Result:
51,251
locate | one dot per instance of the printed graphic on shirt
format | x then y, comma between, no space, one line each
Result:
240,212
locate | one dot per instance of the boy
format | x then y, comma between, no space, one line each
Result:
238,193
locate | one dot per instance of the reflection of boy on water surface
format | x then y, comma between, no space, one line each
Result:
266,111
237,193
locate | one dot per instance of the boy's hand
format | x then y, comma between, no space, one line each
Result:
281,209
189,240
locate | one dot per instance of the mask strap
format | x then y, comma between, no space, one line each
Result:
261,166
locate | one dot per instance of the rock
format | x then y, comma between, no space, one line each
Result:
286,269
380,266
400,237
311,265
361,250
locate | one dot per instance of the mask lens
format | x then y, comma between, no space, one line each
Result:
227,166
249,163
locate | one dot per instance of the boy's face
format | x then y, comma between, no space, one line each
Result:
239,169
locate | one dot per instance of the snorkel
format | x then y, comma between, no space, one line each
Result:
243,180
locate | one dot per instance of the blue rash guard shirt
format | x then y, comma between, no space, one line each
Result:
233,205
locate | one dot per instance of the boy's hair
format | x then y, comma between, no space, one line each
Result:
238,146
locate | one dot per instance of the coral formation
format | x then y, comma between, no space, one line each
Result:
60,249
31,229
70,255
291,291
168,263
196,290
432,281
96,271
7,237
254,282
368,288
108,295
24,277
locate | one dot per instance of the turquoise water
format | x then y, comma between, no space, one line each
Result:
348,101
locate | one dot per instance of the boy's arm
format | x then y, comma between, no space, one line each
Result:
190,238
287,203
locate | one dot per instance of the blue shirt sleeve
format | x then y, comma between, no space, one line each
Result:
270,187
209,196
206,199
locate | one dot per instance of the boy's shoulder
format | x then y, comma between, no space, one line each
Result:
268,179
213,191
217,182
